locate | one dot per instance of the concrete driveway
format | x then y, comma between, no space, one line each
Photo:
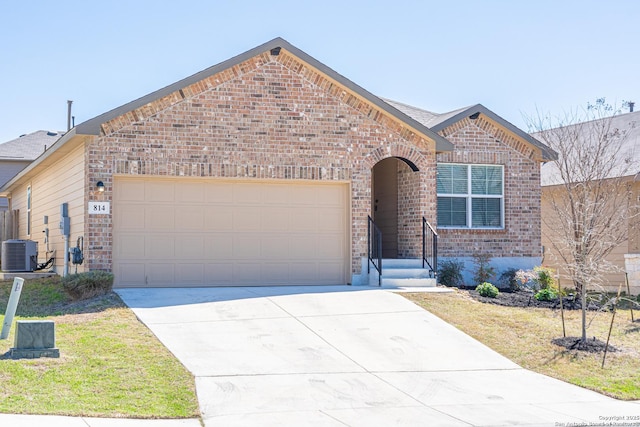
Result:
350,356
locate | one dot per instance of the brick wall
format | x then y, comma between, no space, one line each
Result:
413,201
270,117
482,141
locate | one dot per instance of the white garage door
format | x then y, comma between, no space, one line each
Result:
184,232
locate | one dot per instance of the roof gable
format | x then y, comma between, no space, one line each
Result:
439,122
313,70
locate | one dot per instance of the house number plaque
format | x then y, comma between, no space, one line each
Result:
96,208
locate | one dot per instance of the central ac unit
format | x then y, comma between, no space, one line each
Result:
19,255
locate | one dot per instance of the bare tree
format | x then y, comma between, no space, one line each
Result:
589,191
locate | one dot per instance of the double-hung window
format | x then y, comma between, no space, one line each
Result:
470,196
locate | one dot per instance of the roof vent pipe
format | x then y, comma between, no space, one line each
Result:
631,105
69,114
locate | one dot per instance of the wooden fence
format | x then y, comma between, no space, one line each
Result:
8,225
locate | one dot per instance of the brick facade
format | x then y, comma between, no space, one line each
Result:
482,141
270,117
277,117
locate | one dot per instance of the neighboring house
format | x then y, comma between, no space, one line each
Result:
16,154
263,170
626,256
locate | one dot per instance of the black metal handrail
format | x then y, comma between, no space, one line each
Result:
429,247
374,248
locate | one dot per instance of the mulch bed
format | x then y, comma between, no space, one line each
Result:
591,345
526,299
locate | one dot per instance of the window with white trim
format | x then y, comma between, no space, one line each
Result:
470,196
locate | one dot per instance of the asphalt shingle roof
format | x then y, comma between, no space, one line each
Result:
427,118
628,157
28,146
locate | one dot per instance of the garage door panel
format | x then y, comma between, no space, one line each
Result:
330,220
275,272
247,273
159,217
130,191
332,272
329,246
203,232
245,219
218,218
276,195
330,195
189,246
218,193
161,273
247,194
275,247
130,217
303,195
189,218
218,246
304,219
131,274
190,274
160,191
191,192
247,246
303,272
131,246
274,219
302,247
219,273
159,245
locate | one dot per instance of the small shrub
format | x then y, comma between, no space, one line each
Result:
508,280
88,285
526,280
546,294
484,272
536,279
544,277
450,273
486,289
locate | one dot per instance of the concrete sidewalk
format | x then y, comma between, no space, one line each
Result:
9,420
350,356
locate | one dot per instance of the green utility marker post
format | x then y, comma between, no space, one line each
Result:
11,307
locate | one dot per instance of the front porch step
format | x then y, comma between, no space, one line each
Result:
406,273
401,263
408,283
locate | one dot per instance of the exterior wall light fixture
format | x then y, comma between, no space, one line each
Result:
100,186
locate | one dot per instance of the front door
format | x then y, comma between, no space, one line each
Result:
385,204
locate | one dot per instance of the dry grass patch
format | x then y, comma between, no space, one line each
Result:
524,335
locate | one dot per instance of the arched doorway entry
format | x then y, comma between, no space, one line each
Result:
394,188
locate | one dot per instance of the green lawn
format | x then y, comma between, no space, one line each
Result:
110,364
524,335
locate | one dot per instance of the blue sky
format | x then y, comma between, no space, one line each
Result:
514,57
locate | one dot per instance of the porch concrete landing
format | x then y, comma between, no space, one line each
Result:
25,275
406,273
